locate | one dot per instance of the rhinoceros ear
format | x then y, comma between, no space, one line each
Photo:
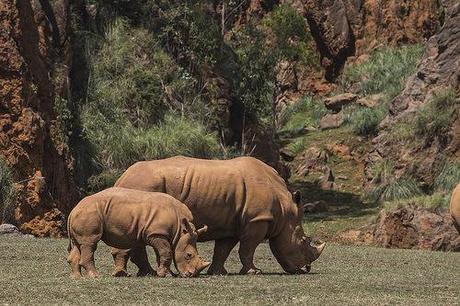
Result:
296,196
188,227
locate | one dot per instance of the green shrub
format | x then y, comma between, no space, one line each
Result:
7,194
433,119
448,177
384,72
389,187
119,146
103,180
402,188
305,113
365,121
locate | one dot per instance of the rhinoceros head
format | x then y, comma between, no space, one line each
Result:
186,258
292,249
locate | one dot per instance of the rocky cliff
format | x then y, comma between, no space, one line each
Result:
34,65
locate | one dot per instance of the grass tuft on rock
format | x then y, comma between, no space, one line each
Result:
7,194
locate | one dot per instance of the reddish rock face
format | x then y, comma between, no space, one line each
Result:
438,70
28,61
344,28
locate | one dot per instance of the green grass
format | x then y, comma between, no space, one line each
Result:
306,113
384,72
449,177
34,271
433,119
7,193
434,201
365,120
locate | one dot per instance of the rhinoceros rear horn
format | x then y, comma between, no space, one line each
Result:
318,250
202,230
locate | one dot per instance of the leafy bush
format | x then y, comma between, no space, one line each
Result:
433,119
292,35
448,177
365,121
305,113
7,194
385,72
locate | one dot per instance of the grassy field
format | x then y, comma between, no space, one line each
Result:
34,271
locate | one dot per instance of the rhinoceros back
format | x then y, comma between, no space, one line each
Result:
223,194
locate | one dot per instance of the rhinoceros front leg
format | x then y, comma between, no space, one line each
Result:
120,259
163,248
139,257
252,236
222,249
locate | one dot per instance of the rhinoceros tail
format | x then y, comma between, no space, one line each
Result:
69,247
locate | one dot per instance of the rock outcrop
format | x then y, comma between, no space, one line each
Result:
408,228
34,63
344,28
438,71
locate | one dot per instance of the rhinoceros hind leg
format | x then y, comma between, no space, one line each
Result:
165,255
253,235
139,258
222,249
74,261
120,259
87,259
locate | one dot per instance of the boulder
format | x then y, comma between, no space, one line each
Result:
410,227
331,121
313,158
370,101
9,229
336,103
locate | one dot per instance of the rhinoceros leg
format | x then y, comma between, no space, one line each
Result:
120,259
163,249
87,259
222,249
253,234
74,261
139,257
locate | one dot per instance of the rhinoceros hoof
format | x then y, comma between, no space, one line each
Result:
217,271
120,273
252,271
143,273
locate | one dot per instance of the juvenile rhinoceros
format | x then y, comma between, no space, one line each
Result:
241,200
132,219
455,207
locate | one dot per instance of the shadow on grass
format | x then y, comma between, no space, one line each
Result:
338,204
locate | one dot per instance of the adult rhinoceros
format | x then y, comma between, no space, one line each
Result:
454,207
240,200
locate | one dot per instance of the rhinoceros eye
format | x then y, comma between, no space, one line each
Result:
188,256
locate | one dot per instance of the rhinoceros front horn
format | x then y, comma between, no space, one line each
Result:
318,249
202,230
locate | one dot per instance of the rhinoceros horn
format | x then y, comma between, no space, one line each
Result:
202,230
319,249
